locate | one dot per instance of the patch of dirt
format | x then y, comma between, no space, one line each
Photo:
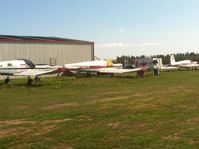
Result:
114,125
141,106
8,132
14,132
113,93
55,121
22,107
105,106
45,130
178,89
110,93
46,126
115,98
58,106
139,94
193,120
22,121
173,137
103,99
16,122
190,141
62,146
85,118
26,130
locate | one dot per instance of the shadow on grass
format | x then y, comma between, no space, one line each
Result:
21,84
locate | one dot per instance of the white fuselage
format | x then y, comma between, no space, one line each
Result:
91,65
183,63
13,66
17,66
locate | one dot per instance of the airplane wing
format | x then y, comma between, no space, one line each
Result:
121,70
35,72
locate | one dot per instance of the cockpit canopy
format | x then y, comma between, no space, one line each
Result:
28,62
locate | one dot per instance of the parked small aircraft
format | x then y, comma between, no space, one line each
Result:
180,64
24,67
183,63
98,67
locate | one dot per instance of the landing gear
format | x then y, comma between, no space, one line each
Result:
77,75
29,82
88,74
7,80
37,79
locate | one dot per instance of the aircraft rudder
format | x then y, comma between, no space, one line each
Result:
172,59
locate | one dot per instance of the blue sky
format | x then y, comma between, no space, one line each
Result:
118,27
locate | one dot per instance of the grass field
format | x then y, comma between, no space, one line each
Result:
102,112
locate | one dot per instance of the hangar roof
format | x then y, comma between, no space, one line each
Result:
40,39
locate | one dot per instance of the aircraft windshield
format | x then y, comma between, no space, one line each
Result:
29,63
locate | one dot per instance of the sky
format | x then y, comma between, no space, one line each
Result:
118,27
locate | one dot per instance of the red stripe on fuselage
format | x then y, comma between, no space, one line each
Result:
65,69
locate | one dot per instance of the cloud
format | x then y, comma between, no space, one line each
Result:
110,45
121,30
126,45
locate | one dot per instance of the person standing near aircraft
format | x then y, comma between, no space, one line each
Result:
155,68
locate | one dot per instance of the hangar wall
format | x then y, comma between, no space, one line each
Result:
47,53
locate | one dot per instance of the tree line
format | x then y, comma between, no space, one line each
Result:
165,58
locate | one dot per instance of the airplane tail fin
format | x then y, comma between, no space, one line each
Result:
172,59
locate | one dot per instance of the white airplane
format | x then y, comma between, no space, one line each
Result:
183,63
24,67
98,67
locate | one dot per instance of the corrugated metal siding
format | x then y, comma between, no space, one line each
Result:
41,53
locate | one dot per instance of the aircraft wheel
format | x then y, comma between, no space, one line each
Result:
37,79
7,80
77,75
29,82
88,74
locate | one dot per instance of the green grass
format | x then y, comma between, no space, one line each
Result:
102,112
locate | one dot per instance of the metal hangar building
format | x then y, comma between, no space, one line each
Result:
45,50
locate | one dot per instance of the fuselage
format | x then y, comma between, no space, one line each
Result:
17,66
183,63
91,65
13,66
